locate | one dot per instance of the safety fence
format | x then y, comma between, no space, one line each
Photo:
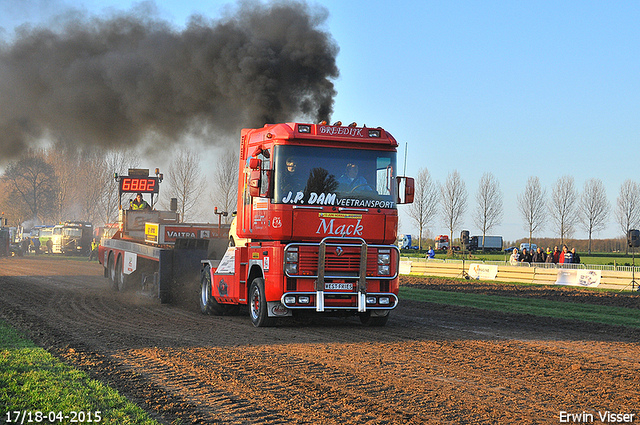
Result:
619,277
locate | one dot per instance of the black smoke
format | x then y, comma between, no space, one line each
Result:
114,81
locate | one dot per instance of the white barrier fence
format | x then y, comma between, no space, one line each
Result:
602,276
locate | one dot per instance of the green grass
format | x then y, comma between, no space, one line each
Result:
563,310
32,380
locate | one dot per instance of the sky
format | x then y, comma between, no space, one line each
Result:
519,89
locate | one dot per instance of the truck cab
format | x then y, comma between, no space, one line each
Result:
317,205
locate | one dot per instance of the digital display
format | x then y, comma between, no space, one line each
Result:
138,184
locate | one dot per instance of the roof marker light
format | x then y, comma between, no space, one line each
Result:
337,123
353,124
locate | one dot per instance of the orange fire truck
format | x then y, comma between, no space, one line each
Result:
316,226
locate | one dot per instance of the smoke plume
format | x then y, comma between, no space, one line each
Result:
114,81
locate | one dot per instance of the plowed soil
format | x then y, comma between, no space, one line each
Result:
430,364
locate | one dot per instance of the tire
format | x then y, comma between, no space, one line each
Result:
208,304
368,320
121,278
112,272
258,310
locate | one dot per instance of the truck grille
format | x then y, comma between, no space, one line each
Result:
345,264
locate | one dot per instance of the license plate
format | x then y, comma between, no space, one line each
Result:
338,286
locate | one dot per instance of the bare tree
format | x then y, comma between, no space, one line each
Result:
563,207
628,208
531,204
453,196
186,182
115,162
425,202
12,205
66,165
225,183
593,207
32,180
489,210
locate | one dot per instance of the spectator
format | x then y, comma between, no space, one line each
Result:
525,257
25,245
94,250
556,255
431,253
513,260
538,256
549,258
565,256
49,246
576,257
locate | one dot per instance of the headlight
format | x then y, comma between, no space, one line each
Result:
384,258
384,300
289,300
371,300
384,270
384,261
291,256
291,268
303,300
291,261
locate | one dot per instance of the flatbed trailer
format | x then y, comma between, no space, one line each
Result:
152,252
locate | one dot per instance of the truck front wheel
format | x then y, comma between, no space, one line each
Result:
258,309
368,319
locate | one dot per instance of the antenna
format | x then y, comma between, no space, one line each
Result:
406,145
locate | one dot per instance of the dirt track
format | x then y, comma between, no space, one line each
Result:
430,364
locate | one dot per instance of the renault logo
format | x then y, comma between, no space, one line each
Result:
339,251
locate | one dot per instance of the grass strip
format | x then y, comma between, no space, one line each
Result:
32,380
563,310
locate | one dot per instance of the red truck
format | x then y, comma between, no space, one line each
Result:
316,226
314,234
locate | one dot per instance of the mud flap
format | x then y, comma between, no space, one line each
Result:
276,309
165,272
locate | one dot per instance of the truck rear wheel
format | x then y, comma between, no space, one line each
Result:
121,278
112,272
258,310
208,303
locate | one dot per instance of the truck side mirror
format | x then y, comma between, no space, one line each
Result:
254,163
406,190
254,182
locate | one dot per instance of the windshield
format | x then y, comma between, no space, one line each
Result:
72,231
332,176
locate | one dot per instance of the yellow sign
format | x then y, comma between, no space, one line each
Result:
151,231
339,215
255,255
